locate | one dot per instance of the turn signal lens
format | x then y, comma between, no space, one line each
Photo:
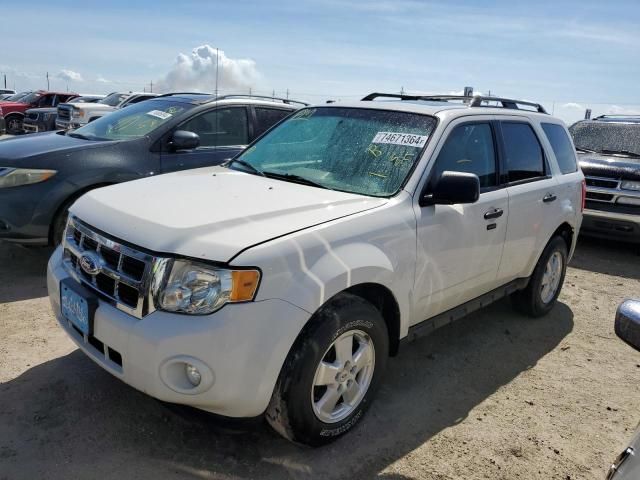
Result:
244,285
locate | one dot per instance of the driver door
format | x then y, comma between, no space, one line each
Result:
459,247
223,132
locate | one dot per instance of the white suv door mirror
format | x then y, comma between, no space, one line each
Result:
452,188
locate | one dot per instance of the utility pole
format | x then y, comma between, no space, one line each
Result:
5,80
401,90
250,92
287,94
47,81
273,94
217,56
151,90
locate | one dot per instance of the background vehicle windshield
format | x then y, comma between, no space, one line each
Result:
607,136
30,97
134,121
113,99
364,151
16,97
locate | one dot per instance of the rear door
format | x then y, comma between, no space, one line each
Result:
223,132
459,246
534,208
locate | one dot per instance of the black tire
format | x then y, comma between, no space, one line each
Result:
60,221
291,411
529,301
13,124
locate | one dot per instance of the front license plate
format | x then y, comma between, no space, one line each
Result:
77,307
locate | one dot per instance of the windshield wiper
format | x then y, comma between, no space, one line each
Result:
586,150
621,152
290,177
245,164
77,135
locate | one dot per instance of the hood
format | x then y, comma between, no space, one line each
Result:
92,106
4,104
609,166
42,110
212,213
16,151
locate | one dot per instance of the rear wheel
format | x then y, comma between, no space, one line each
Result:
332,372
546,282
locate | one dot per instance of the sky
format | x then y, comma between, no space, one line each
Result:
568,55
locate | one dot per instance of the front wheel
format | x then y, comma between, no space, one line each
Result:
546,282
332,372
14,124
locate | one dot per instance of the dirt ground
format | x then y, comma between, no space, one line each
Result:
494,396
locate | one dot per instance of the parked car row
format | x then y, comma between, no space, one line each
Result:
32,112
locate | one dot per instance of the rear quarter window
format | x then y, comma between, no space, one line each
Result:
562,148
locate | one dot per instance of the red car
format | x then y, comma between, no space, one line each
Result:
14,112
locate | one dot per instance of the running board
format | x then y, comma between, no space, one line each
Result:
430,325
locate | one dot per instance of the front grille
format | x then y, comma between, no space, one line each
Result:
603,197
602,182
124,274
32,116
64,113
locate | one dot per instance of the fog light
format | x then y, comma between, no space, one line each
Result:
193,374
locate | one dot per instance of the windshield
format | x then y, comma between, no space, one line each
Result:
607,137
16,97
356,150
132,122
113,99
31,97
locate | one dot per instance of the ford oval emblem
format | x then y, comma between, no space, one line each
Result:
91,263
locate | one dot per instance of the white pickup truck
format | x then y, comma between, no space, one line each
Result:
280,283
74,115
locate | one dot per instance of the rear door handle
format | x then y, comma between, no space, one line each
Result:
495,213
549,197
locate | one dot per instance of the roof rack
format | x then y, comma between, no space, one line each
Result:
261,97
618,115
473,101
183,93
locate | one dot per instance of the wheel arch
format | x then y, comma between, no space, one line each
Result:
72,197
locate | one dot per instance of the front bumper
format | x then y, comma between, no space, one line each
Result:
26,213
611,225
243,346
3,126
68,124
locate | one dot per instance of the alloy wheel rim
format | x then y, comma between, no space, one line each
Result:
551,277
343,376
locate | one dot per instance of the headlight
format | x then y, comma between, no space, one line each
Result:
76,113
14,177
200,289
630,185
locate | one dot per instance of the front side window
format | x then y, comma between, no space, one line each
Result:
365,151
220,127
469,148
113,99
523,154
132,122
562,148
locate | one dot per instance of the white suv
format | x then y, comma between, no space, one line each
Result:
280,283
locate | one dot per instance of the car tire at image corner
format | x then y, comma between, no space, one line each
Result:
13,124
540,295
321,369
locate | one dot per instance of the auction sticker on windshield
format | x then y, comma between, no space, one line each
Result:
406,139
159,114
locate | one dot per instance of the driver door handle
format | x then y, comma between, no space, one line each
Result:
549,197
493,213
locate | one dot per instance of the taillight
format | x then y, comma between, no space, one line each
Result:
584,194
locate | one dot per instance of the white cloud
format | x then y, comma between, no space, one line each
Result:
197,72
69,76
101,79
573,105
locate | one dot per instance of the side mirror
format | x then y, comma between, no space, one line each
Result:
627,323
184,140
452,188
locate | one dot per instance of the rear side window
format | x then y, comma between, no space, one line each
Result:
220,127
561,146
523,153
267,117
